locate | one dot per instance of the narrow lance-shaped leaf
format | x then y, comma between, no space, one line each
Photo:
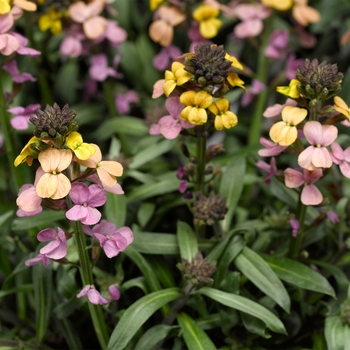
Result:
195,338
245,305
299,275
260,273
137,314
187,241
337,335
153,335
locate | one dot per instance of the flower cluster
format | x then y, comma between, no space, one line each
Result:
73,177
308,129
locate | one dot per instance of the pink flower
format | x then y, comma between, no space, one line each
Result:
269,168
114,34
319,136
342,158
310,194
16,76
99,69
272,148
171,125
122,101
88,14
8,42
37,259
112,241
116,189
251,16
114,292
23,50
275,110
93,295
294,223
254,90
57,248
166,56
277,44
86,199
332,216
72,45
292,65
22,115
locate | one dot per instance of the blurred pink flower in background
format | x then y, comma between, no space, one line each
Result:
16,76
252,91
22,115
93,295
99,69
123,101
292,65
165,57
278,43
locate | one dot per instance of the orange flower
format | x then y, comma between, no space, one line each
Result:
54,184
162,30
177,76
304,14
107,170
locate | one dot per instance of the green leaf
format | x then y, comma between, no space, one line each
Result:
187,241
253,266
150,190
155,243
137,314
254,325
233,248
138,282
337,335
43,288
21,288
151,152
144,267
115,209
299,275
45,218
145,213
66,81
245,305
121,125
231,186
4,217
162,270
153,335
195,338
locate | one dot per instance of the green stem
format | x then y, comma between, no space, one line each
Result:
295,243
262,75
9,142
86,275
200,168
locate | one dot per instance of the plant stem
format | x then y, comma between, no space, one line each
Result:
86,275
9,141
295,243
262,74
201,146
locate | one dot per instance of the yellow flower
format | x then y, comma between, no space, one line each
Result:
81,149
196,103
4,7
53,183
223,117
26,153
177,76
285,132
234,80
25,5
341,106
153,4
52,21
281,5
235,62
209,25
291,90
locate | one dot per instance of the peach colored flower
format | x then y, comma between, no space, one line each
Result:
304,14
107,170
54,184
88,14
162,29
158,88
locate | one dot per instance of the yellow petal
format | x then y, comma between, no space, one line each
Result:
229,119
188,98
222,104
185,113
4,7
74,140
168,87
234,80
202,99
197,116
293,115
210,28
282,134
218,123
204,12
235,62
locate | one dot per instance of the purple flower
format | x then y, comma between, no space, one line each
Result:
332,216
112,241
292,65
116,189
269,168
114,292
57,248
99,69
86,199
271,148
8,42
171,125
294,223
183,186
93,295
255,89
22,115
166,56
277,44
114,34
122,101
23,50
36,260
16,76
